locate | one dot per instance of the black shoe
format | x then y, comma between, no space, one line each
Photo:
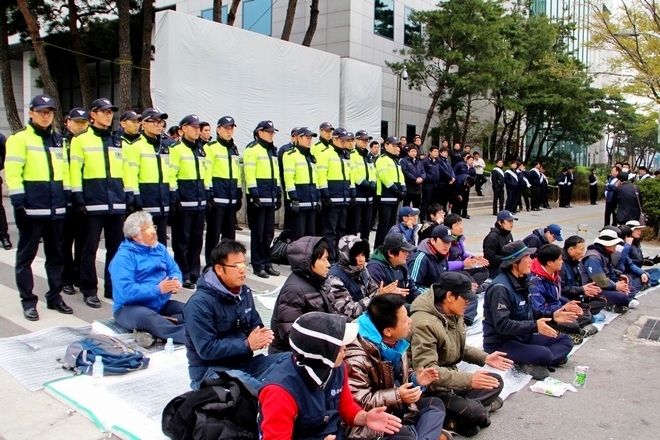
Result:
466,216
187,284
7,245
273,272
547,207
594,203
61,307
495,405
535,209
538,372
373,228
69,290
238,228
93,302
261,273
31,314
107,295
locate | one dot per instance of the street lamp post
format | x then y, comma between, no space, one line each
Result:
402,74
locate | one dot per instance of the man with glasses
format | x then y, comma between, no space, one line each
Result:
38,182
144,278
147,166
98,191
364,175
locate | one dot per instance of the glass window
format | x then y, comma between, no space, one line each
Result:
258,16
207,14
384,18
384,129
410,28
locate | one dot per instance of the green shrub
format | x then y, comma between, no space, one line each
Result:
650,191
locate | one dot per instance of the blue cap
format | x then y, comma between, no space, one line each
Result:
153,113
326,126
304,131
443,233
266,126
226,121
392,140
103,104
129,115
192,120
363,135
342,134
78,114
505,215
407,210
555,230
42,102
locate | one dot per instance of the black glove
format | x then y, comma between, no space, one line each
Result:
137,203
399,194
278,203
239,203
353,202
295,206
256,201
130,209
327,202
20,216
81,209
372,188
319,207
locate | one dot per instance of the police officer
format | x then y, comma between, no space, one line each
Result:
129,123
147,162
364,176
300,183
325,138
336,185
4,228
188,199
280,154
223,178
76,122
38,182
97,183
265,197
391,187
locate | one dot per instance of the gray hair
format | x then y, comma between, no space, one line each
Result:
134,223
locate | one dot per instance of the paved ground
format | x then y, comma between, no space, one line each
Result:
619,402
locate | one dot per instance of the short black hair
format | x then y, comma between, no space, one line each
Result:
626,231
594,169
452,218
372,143
383,310
173,130
572,241
222,250
434,208
443,149
548,252
476,152
203,124
318,251
434,147
439,294
468,155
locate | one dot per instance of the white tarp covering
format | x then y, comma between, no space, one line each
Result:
211,70
361,96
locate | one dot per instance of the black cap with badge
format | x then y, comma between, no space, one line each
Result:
191,120
149,114
78,114
103,104
42,102
226,121
455,282
129,116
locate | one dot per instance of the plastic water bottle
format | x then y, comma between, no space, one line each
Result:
169,346
97,368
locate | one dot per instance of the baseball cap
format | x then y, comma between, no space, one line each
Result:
392,140
103,104
555,230
342,134
363,135
266,126
191,120
304,131
397,241
505,215
129,115
407,210
294,131
78,114
634,224
514,252
152,113
226,121
443,233
457,283
42,102
608,237
326,126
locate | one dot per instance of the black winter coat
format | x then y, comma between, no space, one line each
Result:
493,244
626,203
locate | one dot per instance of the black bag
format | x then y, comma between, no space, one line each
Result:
222,408
278,250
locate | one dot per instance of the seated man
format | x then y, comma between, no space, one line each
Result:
378,373
429,262
588,295
407,224
597,267
498,236
144,277
436,217
511,325
307,395
388,264
541,236
438,341
223,327
459,258
545,294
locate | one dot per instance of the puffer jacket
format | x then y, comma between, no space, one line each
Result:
545,289
302,292
380,269
438,341
536,239
374,381
457,253
492,245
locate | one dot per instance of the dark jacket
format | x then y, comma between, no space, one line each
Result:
597,267
544,289
571,280
431,170
381,269
626,202
426,265
446,172
536,239
493,244
412,169
302,292
218,323
456,156
497,178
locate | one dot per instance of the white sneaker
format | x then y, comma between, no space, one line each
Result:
633,304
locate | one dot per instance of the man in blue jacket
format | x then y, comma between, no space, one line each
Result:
144,277
223,327
388,264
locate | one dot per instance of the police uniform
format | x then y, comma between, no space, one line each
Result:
38,182
97,185
364,176
188,198
391,190
224,183
4,228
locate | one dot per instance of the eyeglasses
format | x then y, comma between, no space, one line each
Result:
45,112
154,227
235,266
155,121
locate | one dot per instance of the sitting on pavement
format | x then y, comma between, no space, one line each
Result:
499,235
589,295
388,264
541,236
436,217
459,258
407,224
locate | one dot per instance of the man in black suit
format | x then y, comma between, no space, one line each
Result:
626,200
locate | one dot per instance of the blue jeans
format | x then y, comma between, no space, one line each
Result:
252,375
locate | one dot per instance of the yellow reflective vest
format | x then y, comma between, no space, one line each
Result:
223,174
147,170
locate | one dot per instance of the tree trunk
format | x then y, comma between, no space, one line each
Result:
466,123
50,86
5,74
493,134
232,12
145,58
288,21
81,61
429,113
217,10
313,21
125,62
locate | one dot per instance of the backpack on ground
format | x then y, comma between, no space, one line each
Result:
118,358
278,250
222,408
